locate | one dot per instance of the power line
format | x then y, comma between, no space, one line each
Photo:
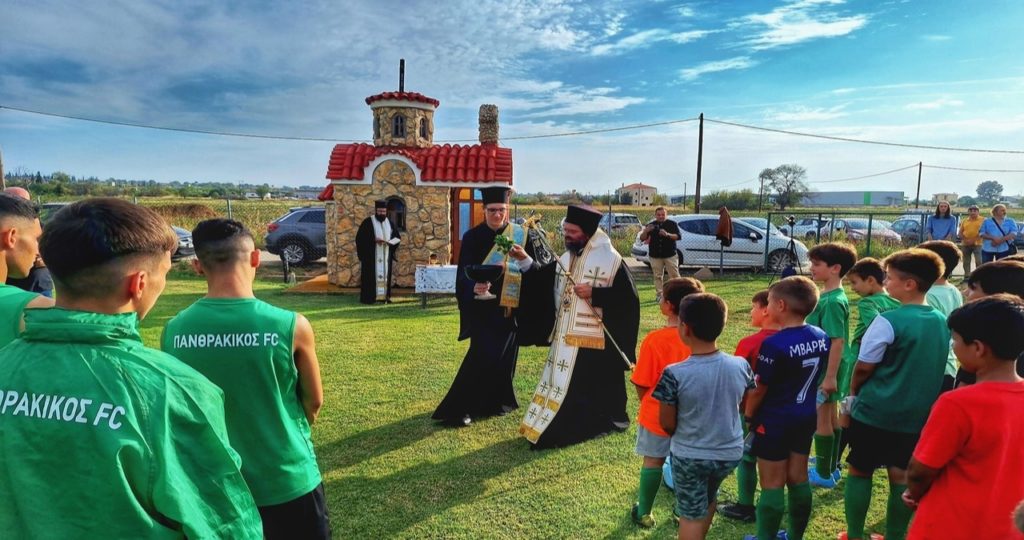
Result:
322,139
973,170
183,130
865,141
914,166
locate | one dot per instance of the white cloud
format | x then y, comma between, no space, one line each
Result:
647,38
939,103
806,114
739,62
797,22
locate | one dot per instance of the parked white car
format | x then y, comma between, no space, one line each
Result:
806,228
698,246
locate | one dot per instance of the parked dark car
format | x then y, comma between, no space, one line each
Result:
300,236
909,230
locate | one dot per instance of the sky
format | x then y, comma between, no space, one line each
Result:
931,73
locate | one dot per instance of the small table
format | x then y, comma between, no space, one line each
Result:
434,279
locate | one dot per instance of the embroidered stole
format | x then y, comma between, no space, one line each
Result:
382,255
575,326
513,283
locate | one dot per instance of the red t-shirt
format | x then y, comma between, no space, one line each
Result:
976,436
659,349
749,346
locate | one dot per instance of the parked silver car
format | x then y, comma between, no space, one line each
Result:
698,246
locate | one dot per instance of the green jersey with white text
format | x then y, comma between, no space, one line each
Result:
244,346
102,437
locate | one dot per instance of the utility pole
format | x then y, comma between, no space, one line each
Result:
3,180
760,194
700,156
917,199
684,195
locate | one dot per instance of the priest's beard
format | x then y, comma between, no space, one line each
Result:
380,218
576,246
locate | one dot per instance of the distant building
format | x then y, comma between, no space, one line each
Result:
950,198
640,194
308,194
853,198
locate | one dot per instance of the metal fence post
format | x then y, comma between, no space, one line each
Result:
767,238
229,209
871,217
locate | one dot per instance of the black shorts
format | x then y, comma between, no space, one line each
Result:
776,438
301,518
872,448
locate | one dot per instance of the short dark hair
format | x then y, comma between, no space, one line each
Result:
83,241
920,265
833,253
996,321
16,207
799,293
675,289
660,208
760,298
705,314
220,241
949,252
1019,257
868,267
1001,276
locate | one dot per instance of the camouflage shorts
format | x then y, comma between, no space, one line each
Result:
696,483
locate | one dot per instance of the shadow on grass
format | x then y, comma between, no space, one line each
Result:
383,507
380,440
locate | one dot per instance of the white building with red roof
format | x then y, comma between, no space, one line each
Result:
432,190
639,193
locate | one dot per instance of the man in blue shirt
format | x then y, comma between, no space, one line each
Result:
998,233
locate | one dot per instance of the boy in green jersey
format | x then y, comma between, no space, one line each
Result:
264,359
103,437
897,378
865,279
19,245
945,297
829,263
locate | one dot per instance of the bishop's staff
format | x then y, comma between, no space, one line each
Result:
533,225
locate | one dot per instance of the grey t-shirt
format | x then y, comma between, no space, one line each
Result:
706,390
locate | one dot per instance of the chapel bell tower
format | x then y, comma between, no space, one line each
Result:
403,118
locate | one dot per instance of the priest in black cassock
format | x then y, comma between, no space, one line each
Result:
522,314
582,391
376,244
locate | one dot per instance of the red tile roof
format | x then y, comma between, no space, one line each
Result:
638,186
483,163
403,96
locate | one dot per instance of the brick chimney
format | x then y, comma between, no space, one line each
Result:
488,124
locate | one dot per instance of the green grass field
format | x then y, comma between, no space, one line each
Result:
391,473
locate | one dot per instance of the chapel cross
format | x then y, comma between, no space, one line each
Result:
563,365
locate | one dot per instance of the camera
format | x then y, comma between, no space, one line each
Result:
791,220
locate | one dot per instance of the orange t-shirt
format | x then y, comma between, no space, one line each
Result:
659,349
975,436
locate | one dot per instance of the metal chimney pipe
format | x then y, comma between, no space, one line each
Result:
401,75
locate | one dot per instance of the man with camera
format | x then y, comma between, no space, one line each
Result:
661,235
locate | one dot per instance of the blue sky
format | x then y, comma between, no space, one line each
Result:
918,72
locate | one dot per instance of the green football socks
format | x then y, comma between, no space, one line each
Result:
799,510
857,501
823,447
746,481
837,448
650,481
897,515
770,508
